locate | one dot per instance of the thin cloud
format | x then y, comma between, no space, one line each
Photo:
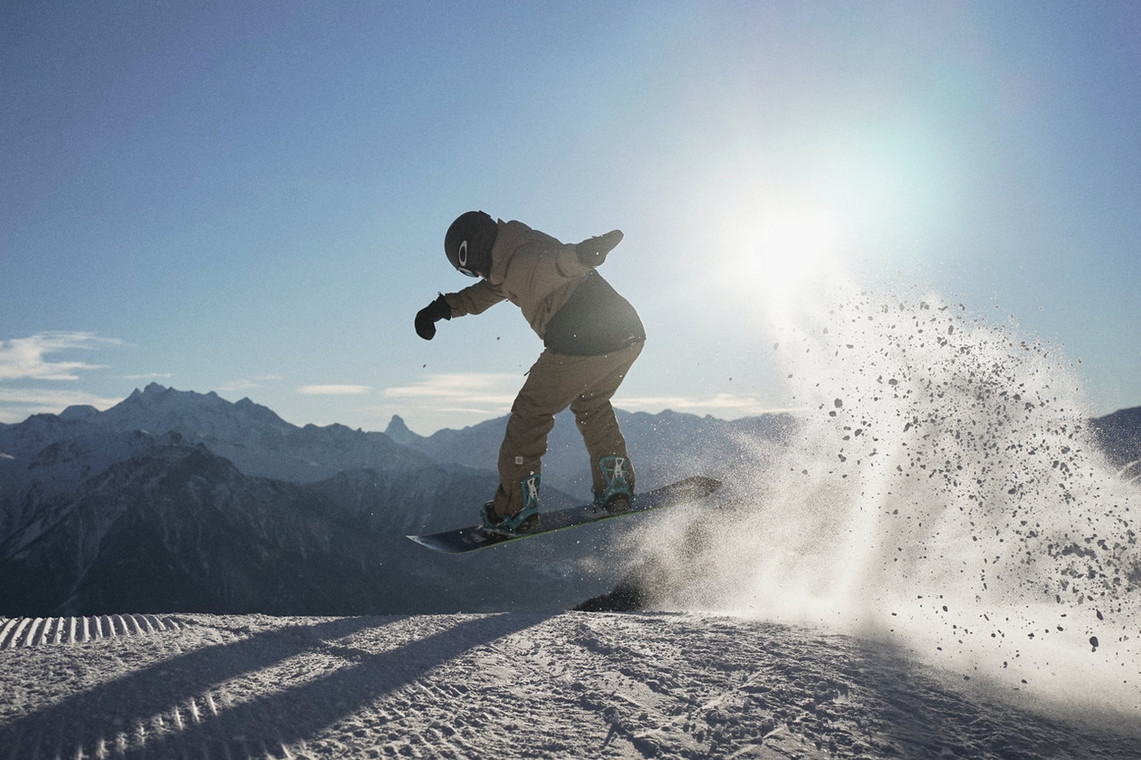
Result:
461,391
449,400
724,405
17,404
475,394
334,390
247,384
27,358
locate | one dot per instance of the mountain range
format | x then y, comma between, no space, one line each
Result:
180,501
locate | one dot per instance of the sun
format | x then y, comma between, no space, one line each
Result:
787,256
791,248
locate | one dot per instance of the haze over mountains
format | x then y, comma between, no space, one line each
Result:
180,501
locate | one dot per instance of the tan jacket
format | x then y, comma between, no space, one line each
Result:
531,269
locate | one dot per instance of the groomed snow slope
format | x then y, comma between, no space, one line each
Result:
507,685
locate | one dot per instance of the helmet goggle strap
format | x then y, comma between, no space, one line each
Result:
461,261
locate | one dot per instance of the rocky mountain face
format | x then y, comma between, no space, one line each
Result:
176,527
179,501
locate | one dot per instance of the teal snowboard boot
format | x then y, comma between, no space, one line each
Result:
618,477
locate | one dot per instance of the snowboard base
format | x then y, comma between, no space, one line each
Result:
472,538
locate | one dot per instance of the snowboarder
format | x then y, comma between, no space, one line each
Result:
591,337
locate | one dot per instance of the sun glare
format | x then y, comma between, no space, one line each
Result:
785,255
790,249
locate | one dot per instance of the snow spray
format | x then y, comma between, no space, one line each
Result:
942,491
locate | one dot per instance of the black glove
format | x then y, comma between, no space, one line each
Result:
427,317
592,251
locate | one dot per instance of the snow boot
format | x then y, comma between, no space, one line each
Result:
618,477
526,520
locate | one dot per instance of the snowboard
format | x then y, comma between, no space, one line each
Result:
472,538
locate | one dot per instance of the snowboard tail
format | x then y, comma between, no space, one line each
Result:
472,538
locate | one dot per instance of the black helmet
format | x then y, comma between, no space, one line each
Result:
468,243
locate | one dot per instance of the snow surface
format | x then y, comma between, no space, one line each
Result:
559,684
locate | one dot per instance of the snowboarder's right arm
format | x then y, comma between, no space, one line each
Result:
471,300
474,299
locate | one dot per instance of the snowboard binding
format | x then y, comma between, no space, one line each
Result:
525,521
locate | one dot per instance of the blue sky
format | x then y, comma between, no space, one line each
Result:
251,198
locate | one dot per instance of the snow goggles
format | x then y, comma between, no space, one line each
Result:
461,261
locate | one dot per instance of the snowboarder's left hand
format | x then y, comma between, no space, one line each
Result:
592,251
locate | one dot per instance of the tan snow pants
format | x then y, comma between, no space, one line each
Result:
556,381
